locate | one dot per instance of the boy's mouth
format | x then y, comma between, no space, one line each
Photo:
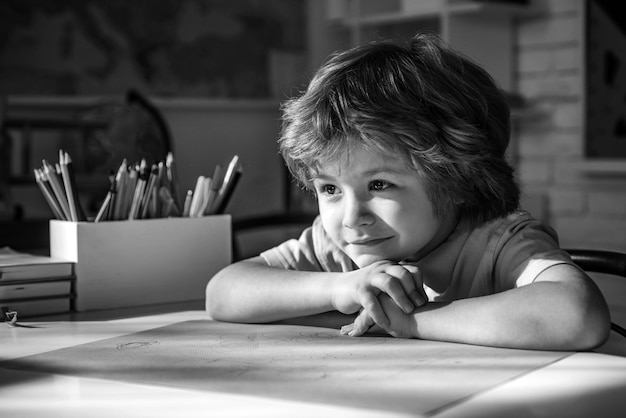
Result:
368,242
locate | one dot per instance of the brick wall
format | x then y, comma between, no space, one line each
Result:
587,207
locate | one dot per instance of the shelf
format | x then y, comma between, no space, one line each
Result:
604,167
431,9
387,18
492,8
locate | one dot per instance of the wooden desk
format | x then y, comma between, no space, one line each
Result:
217,369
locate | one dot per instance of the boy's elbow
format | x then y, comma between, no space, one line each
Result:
213,303
597,330
590,326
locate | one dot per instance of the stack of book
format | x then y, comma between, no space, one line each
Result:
33,285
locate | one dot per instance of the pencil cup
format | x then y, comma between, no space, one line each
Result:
142,262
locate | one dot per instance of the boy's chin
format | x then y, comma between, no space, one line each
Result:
364,260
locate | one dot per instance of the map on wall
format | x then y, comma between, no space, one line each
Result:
606,79
193,48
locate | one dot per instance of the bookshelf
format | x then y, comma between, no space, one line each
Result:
482,30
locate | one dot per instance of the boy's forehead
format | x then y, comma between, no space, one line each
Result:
360,159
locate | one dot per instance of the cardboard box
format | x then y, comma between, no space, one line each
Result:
142,262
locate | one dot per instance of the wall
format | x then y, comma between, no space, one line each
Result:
584,200
210,132
232,62
185,48
205,132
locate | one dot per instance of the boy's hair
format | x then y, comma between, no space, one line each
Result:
437,110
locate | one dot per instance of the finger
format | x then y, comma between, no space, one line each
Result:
361,324
346,329
416,292
370,303
418,295
392,284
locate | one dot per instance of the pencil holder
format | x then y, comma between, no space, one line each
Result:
142,262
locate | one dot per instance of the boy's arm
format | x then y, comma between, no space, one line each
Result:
252,291
561,310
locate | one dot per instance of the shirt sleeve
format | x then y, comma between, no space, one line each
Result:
525,250
294,254
313,251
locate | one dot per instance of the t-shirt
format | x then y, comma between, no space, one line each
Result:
501,254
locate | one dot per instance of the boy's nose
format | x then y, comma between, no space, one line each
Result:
356,212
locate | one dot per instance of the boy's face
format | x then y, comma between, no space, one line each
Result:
374,208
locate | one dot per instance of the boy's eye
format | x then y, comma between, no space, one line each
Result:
379,185
328,189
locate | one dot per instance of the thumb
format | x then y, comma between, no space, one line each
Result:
411,268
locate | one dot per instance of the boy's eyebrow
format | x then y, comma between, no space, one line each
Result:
369,172
385,169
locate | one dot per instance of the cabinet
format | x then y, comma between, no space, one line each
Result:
482,30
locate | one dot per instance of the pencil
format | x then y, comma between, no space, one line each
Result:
187,205
168,206
206,191
172,176
231,177
131,184
230,188
105,208
121,179
70,171
216,183
48,195
57,189
139,190
197,197
148,193
69,192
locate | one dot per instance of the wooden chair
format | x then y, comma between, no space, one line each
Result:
604,262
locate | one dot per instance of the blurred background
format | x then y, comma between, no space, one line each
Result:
113,79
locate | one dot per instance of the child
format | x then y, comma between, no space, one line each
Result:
419,234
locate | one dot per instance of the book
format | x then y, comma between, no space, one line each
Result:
32,299
15,265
